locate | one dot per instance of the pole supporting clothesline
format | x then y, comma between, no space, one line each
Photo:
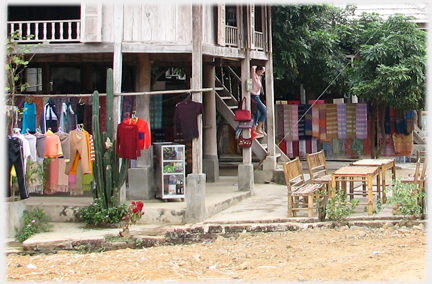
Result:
166,92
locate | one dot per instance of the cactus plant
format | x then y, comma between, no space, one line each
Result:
108,172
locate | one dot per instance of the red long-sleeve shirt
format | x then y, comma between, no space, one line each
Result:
143,129
127,143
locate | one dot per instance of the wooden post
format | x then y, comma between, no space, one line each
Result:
196,83
245,74
143,102
271,140
117,74
117,62
209,104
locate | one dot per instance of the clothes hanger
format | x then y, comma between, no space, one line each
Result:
134,117
29,100
187,99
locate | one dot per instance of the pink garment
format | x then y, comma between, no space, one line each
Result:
71,181
256,80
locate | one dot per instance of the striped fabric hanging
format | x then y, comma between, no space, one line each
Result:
361,121
342,121
308,121
351,120
315,121
301,121
287,123
294,123
331,123
323,122
280,121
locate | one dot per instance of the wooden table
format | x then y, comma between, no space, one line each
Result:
363,174
384,165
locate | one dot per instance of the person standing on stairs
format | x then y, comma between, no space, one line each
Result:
261,114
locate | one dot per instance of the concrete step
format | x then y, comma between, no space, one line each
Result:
219,196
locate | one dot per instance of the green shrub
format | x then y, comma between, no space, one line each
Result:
339,208
96,214
405,197
34,222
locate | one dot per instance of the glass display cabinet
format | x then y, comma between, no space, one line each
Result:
170,168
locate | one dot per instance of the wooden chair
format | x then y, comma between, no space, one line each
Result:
317,167
297,187
419,176
413,178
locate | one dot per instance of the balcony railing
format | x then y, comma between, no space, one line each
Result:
259,41
231,36
46,31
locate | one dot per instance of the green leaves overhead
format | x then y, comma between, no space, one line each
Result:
310,44
392,65
307,44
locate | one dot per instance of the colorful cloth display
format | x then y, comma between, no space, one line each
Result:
351,121
361,121
323,122
342,121
315,121
331,121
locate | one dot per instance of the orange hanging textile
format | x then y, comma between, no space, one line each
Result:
403,144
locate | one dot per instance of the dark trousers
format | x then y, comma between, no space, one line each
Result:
16,159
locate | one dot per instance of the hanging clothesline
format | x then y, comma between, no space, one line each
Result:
167,92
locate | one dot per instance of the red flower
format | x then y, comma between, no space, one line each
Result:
139,205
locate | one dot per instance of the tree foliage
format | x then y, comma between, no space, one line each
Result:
15,65
309,44
392,67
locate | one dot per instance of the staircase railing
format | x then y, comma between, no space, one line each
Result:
227,103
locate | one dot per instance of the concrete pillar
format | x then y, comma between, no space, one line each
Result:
142,103
195,198
246,177
141,178
141,184
14,221
211,167
210,158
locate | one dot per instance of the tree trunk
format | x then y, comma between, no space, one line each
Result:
373,118
377,118
381,116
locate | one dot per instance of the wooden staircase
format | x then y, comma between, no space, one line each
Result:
419,136
227,103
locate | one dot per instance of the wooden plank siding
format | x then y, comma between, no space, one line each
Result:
158,24
165,28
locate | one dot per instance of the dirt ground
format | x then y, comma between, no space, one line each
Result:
392,253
